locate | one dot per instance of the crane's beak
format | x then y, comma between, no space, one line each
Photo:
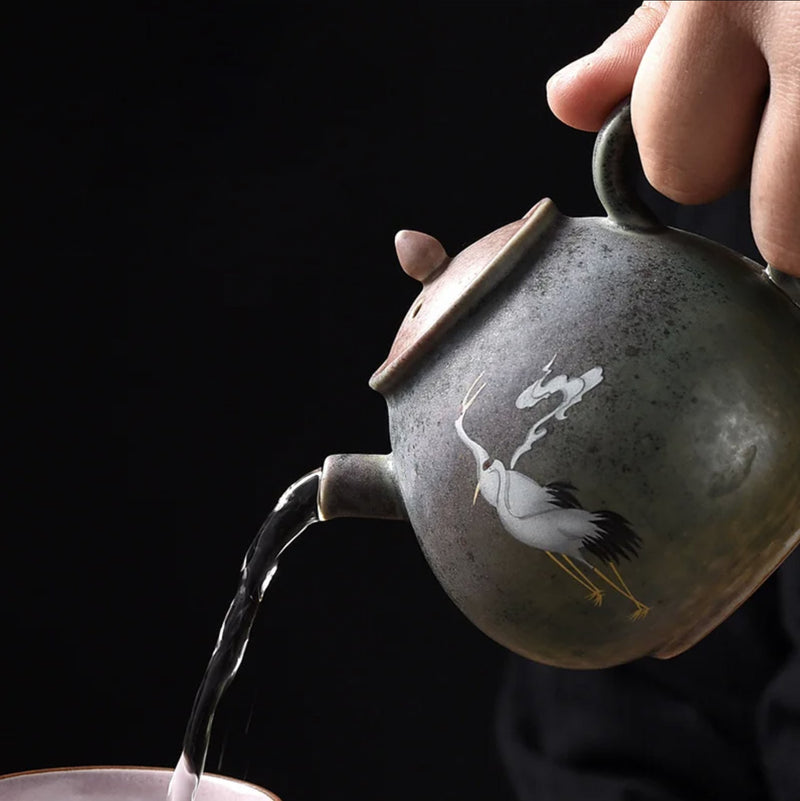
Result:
475,496
472,393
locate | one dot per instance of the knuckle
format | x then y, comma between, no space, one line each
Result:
644,22
651,8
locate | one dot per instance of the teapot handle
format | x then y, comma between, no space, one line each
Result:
613,148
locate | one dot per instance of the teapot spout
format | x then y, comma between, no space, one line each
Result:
360,485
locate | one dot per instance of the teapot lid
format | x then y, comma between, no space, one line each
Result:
452,287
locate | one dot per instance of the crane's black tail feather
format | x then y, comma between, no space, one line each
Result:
613,538
561,495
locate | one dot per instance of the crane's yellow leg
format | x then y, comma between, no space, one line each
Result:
595,593
641,609
620,579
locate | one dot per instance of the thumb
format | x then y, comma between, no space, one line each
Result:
583,93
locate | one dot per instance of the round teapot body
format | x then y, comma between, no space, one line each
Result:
626,404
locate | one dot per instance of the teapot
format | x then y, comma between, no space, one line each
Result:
594,427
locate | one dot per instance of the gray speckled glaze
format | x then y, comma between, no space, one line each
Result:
693,434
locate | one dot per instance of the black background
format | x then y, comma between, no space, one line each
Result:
207,200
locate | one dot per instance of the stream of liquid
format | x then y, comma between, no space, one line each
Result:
294,512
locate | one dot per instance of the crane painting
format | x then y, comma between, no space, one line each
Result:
549,517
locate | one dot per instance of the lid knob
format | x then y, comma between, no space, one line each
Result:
419,254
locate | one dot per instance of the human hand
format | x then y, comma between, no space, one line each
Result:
715,91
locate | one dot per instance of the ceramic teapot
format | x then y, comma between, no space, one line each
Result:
595,427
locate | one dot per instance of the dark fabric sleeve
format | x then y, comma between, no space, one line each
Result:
779,710
685,729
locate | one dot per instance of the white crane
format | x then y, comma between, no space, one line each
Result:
551,519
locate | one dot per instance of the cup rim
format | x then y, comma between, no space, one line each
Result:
133,768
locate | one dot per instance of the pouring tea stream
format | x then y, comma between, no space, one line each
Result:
594,429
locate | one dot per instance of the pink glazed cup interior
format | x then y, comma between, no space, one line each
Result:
119,784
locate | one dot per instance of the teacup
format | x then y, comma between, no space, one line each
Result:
111,783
